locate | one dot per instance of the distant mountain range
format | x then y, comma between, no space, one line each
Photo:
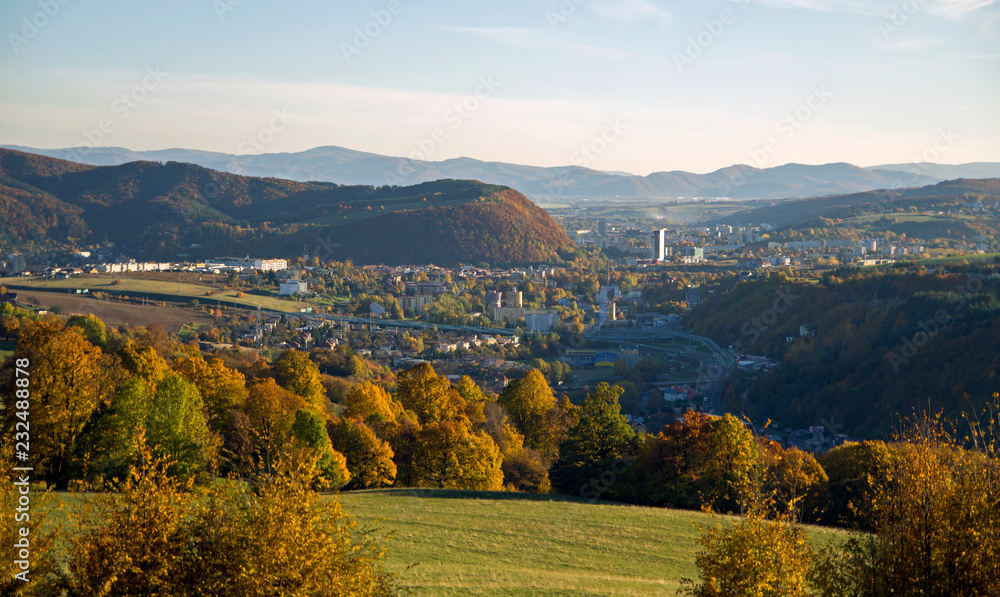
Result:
556,184
157,211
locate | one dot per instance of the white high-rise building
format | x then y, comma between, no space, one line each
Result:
659,245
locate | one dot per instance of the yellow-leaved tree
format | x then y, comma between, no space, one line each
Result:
68,379
276,536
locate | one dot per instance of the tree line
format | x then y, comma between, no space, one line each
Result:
122,409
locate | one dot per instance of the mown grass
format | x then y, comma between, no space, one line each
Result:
452,542
491,543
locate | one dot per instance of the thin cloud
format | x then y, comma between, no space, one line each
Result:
948,8
535,38
630,11
907,45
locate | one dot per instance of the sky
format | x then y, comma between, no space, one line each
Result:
635,86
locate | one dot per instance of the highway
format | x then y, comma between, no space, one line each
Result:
715,366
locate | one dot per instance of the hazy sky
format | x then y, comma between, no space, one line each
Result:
628,85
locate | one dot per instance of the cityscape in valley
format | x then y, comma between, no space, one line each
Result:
444,358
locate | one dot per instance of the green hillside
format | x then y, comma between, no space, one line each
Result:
158,210
889,341
486,543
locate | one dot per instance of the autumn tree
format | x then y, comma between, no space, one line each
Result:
451,455
270,410
369,458
67,382
524,468
852,469
935,518
752,557
527,400
40,540
158,537
143,362
309,430
93,328
671,467
296,373
222,389
599,448
429,395
370,403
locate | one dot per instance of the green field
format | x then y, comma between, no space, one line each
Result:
490,543
454,542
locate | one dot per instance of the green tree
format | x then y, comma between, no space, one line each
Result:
93,329
598,449
108,441
733,469
176,427
310,430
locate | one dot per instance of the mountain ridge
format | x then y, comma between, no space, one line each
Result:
548,184
161,209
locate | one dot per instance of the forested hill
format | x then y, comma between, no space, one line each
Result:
940,196
157,210
887,342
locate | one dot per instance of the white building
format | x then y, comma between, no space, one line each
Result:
270,265
540,321
659,245
293,286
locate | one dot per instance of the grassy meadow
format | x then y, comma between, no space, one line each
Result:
456,542
491,543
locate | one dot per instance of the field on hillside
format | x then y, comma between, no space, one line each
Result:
183,291
116,313
491,543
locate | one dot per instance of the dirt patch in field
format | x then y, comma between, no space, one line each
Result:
116,314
